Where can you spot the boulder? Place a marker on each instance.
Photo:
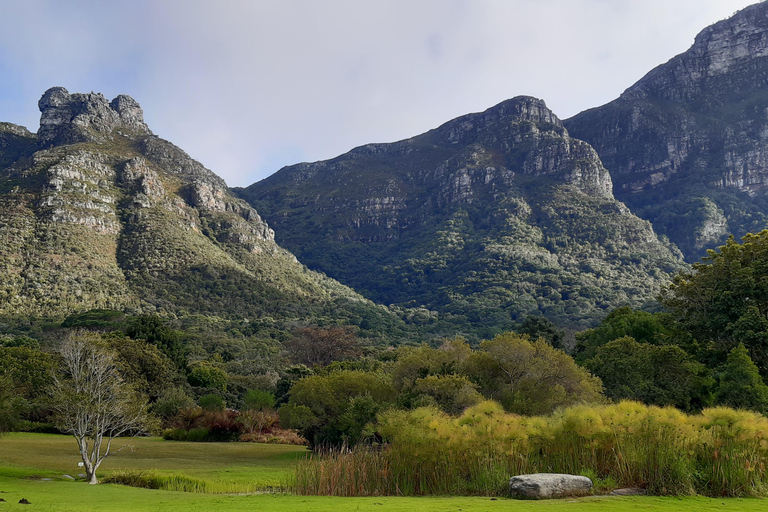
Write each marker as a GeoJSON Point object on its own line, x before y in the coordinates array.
{"type": "Point", "coordinates": [548, 485]}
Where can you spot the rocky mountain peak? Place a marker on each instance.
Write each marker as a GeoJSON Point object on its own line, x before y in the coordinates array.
{"type": "Point", "coordinates": [520, 109]}
{"type": "Point", "coordinates": [731, 46]}
{"type": "Point", "coordinates": [70, 118]}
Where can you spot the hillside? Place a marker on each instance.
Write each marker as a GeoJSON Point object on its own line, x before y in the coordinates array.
{"type": "Point", "coordinates": [686, 145]}
{"type": "Point", "coordinates": [97, 212]}
{"type": "Point", "coordinates": [486, 219]}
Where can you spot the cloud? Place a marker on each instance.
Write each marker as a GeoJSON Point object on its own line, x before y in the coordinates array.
{"type": "Point", "coordinates": [249, 86]}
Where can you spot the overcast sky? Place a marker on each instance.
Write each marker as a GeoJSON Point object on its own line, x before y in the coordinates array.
{"type": "Point", "coordinates": [247, 87]}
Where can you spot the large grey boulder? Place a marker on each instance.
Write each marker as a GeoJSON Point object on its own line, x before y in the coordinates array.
{"type": "Point", "coordinates": [548, 485]}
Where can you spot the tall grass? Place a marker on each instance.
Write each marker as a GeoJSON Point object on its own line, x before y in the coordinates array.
{"type": "Point", "coordinates": [720, 452]}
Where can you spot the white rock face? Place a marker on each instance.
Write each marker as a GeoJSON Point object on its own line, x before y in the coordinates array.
{"type": "Point", "coordinates": [548, 485]}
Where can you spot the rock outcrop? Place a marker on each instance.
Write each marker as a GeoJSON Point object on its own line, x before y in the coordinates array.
{"type": "Point", "coordinates": [71, 118]}
{"type": "Point", "coordinates": [693, 133]}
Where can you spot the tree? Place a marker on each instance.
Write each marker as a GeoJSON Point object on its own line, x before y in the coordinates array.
{"type": "Point", "coordinates": [335, 408]}
{"type": "Point", "coordinates": [740, 383]}
{"type": "Point", "coordinates": [724, 300]}
{"type": "Point", "coordinates": [541, 327]}
{"type": "Point", "coordinates": [206, 374]}
{"type": "Point", "coordinates": [93, 402]}
{"type": "Point", "coordinates": [9, 405]}
{"type": "Point", "coordinates": [653, 374]}
{"type": "Point", "coordinates": [641, 326]}
{"type": "Point", "coordinates": [530, 377]}
{"type": "Point", "coordinates": [153, 329]}
{"type": "Point", "coordinates": [323, 345]}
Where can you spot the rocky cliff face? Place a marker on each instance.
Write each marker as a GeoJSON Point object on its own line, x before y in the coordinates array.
{"type": "Point", "coordinates": [487, 218]}
{"type": "Point", "coordinates": [97, 212]}
{"type": "Point", "coordinates": [687, 145]}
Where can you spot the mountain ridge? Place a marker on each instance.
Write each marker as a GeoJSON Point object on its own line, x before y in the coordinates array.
{"type": "Point", "coordinates": [99, 212]}
{"type": "Point", "coordinates": [479, 197]}
{"type": "Point", "coordinates": [686, 144]}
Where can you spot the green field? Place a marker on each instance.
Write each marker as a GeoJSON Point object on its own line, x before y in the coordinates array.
{"type": "Point", "coordinates": [25, 459]}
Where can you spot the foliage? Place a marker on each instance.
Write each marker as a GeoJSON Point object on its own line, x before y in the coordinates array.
{"type": "Point", "coordinates": [144, 366]}
{"type": "Point", "coordinates": [642, 326]}
{"type": "Point", "coordinates": [170, 402]}
{"type": "Point", "coordinates": [724, 301]}
{"type": "Point", "coordinates": [10, 405]}
{"type": "Point", "coordinates": [29, 369]}
{"type": "Point", "coordinates": [96, 319]}
{"type": "Point", "coordinates": [337, 407]}
{"type": "Point", "coordinates": [720, 452]}
{"type": "Point", "coordinates": [530, 377]}
{"type": "Point", "coordinates": [211, 402]}
{"type": "Point", "coordinates": [740, 383]}
{"type": "Point", "coordinates": [206, 374]}
{"type": "Point", "coordinates": [653, 374]}
{"type": "Point", "coordinates": [258, 399]}
{"type": "Point", "coordinates": [154, 330]}
{"type": "Point", "coordinates": [536, 327]}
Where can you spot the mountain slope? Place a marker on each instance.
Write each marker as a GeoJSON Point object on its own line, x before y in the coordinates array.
{"type": "Point", "coordinates": [485, 219]}
{"type": "Point", "coordinates": [687, 145]}
{"type": "Point", "coordinates": [97, 212]}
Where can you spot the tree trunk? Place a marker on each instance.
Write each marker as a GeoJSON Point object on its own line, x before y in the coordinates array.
{"type": "Point", "coordinates": [91, 477]}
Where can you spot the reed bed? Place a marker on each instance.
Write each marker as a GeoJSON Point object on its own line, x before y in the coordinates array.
{"type": "Point", "coordinates": [720, 452]}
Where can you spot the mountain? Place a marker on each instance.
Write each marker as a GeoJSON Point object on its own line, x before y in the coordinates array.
{"type": "Point", "coordinates": [486, 219]}
{"type": "Point", "coordinates": [97, 212]}
{"type": "Point", "coordinates": [687, 145]}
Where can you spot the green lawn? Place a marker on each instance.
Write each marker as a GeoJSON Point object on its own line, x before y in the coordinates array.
{"type": "Point", "coordinates": [26, 458]}
{"type": "Point", "coordinates": [261, 465]}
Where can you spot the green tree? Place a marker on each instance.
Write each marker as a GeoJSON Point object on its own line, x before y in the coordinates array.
{"type": "Point", "coordinates": [205, 374]}
{"type": "Point", "coordinates": [641, 326]}
{"type": "Point", "coordinates": [258, 399]}
{"type": "Point", "coordinates": [530, 377]}
{"type": "Point", "coordinates": [212, 402]}
{"type": "Point", "coordinates": [10, 405]}
{"type": "Point", "coordinates": [723, 301]}
{"type": "Point", "coordinates": [152, 329]}
{"type": "Point", "coordinates": [144, 365]}
{"type": "Point", "coordinates": [332, 408]}
{"type": "Point", "coordinates": [452, 393]}
{"type": "Point", "coordinates": [541, 327]}
{"type": "Point", "coordinates": [323, 345]}
{"type": "Point", "coordinates": [653, 374]}
{"type": "Point", "coordinates": [29, 369]}
{"type": "Point", "coordinates": [740, 383]}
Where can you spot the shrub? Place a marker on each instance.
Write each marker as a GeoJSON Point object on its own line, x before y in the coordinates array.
{"type": "Point", "coordinates": [212, 402]}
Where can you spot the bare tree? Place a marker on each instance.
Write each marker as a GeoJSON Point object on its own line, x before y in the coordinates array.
{"type": "Point", "coordinates": [93, 402]}
{"type": "Point", "coordinates": [324, 345]}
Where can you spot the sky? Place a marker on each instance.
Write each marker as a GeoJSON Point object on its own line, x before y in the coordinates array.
{"type": "Point", "coordinates": [249, 86]}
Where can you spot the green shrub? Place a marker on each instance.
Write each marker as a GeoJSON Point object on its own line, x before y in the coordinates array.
{"type": "Point", "coordinates": [212, 402]}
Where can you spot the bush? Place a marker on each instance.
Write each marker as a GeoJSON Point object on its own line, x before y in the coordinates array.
{"type": "Point", "coordinates": [212, 403]}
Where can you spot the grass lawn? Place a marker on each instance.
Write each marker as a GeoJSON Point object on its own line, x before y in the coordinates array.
{"type": "Point", "coordinates": [262, 465]}
{"type": "Point", "coordinates": [26, 458]}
